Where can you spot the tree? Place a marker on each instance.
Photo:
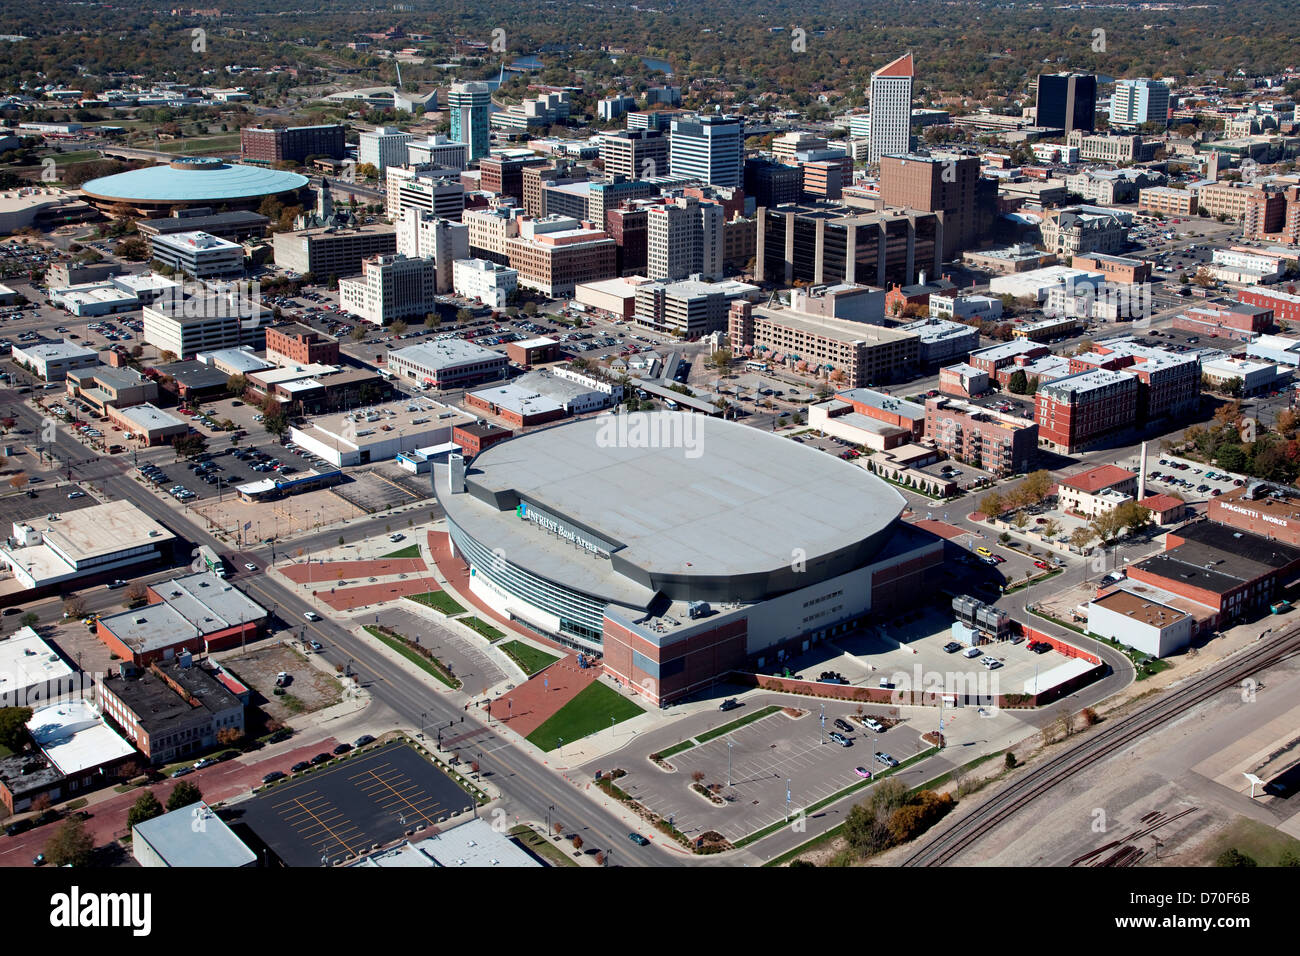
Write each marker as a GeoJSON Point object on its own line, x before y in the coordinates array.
{"type": "Point", "coordinates": [1082, 537]}
{"type": "Point", "coordinates": [273, 418]}
{"type": "Point", "coordinates": [30, 619]}
{"type": "Point", "coordinates": [1233, 857]}
{"type": "Point", "coordinates": [577, 843]}
{"type": "Point", "coordinates": [189, 446]}
{"type": "Point", "coordinates": [398, 327]}
{"type": "Point", "coordinates": [530, 308]}
{"type": "Point", "coordinates": [13, 727]}
{"type": "Point", "coordinates": [146, 807]}
{"type": "Point", "coordinates": [229, 736]}
{"type": "Point", "coordinates": [1018, 383]}
{"type": "Point", "coordinates": [465, 315]}
{"type": "Point", "coordinates": [70, 845]}
{"type": "Point", "coordinates": [182, 795]}
{"type": "Point", "coordinates": [358, 333]}
{"type": "Point", "coordinates": [132, 248]}
{"type": "Point", "coordinates": [236, 385]}
{"type": "Point", "coordinates": [431, 320]}
{"type": "Point", "coordinates": [722, 359]}
{"type": "Point", "coordinates": [991, 504]}
{"type": "Point", "coordinates": [1020, 520]}
{"type": "Point", "coordinates": [1051, 528]}
{"type": "Point", "coordinates": [74, 606]}
{"type": "Point", "coordinates": [135, 595]}
{"type": "Point", "coordinates": [1036, 486]}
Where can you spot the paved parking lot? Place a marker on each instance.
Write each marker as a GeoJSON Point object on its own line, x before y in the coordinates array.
{"type": "Point", "coordinates": [769, 758]}
{"type": "Point", "coordinates": [1193, 478]}
{"type": "Point", "coordinates": [357, 805]}
{"type": "Point", "coordinates": [50, 499]}
{"type": "Point", "coordinates": [468, 657]}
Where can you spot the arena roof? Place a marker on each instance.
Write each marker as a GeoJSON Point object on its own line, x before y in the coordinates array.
{"type": "Point", "coordinates": [183, 181]}
{"type": "Point", "coordinates": [686, 503]}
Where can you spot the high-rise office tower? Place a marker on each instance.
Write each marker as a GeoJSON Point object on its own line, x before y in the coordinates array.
{"type": "Point", "coordinates": [891, 108]}
{"type": "Point", "coordinates": [685, 237]}
{"type": "Point", "coordinates": [1067, 101]}
{"type": "Point", "coordinates": [943, 184]}
{"type": "Point", "coordinates": [469, 105]}
{"type": "Point", "coordinates": [708, 148]}
{"type": "Point", "coordinates": [1139, 101]}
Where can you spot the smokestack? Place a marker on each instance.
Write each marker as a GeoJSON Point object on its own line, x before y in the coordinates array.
{"type": "Point", "coordinates": [456, 474]}
{"type": "Point", "coordinates": [1142, 473]}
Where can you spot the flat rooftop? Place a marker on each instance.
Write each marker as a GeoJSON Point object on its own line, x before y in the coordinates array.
{"type": "Point", "coordinates": [150, 417]}
{"type": "Point", "coordinates": [679, 504]}
{"type": "Point", "coordinates": [100, 531]}
{"type": "Point", "coordinates": [1143, 610]}
{"type": "Point", "coordinates": [447, 354]}
{"type": "Point", "coordinates": [411, 416]}
{"type": "Point", "coordinates": [839, 330]}
{"type": "Point", "coordinates": [27, 661]}
{"type": "Point", "coordinates": [194, 836]}
{"type": "Point", "coordinates": [73, 735]}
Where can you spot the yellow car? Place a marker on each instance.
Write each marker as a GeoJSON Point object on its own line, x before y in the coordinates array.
{"type": "Point", "coordinates": [984, 552]}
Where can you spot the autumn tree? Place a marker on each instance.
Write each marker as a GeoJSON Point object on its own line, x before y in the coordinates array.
{"type": "Point", "coordinates": [13, 727]}
{"type": "Point", "coordinates": [991, 504]}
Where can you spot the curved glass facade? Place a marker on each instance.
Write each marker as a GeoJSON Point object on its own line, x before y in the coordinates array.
{"type": "Point", "coordinates": [581, 616]}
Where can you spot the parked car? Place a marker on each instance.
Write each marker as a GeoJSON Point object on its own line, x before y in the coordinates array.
{"type": "Point", "coordinates": [273, 776]}
{"type": "Point", "coordinates": [952, 647]}
{"type": "Point", "coordinates": [886, 759]}
{"type": "Point", "coordinates": [843, 725]}
{"type": "Point", "coordinates": [341, 749]}
{"type": "Point", "coordinates": [182, 771]}
{"type": "Point", "coordinates": [638, 839]}
{"type": "Point", "coordinates": [320, 758]}
{"type": "Point", "coordinates": [862, 772]}
{"type": "Point", "coordinates": [299, 767]}
{"type": "Point", "coordinates": [363, 740]}
{"type": "Point", "coordinates": [872, 724]}
{"type": "Point", "coordinates": [729, 704]}
{"type": "Point", "coordinates": [840, 739]}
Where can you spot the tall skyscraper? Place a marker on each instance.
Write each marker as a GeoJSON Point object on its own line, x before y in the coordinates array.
{"type": "Point", "coordinates": [708, 148]}
{"type": "Point", "coordinates": [891, 108]}
{"type": "Point", "coordinates": [1139, 101]}
{"type": "Point", "coordinates": [1067, 101]}
{"type": "Point", "coordinates": [469, 105]}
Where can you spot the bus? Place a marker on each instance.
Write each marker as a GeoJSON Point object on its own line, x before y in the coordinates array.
{"type": "Point", "coordinates": [205, 559]}
{"type": "Point", "coordinates": [756, 366]}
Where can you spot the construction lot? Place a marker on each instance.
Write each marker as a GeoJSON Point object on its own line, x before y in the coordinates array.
{"type": "Point", "coordinates": [309, 688]}
{"type": "Point", "coordinates": [352, 806]}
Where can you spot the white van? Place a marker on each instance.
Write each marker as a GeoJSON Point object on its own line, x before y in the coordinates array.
{"type": "Point", "coordinates": [971, 652]}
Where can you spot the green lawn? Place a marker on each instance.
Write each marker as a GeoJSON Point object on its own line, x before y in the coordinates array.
{"type": "Point", "coordinates": [1263, 844]}
{"type": "Point", "coordinates": [550, 851]}
{"type": "Point", "coordinates": [419, 660]}
{"type": "Point", "coordinates": [483, 627]}
{"type": "Point", "coordinates": [413, 551]}
{"type": "Point", "coordinates": [589, 712]}
{"type": "Point", "coordinates": [76, 156]}
{"type": "Point", "coordinates": [439, 601]}
{"type": "Point", "coordinates": [529, 659]}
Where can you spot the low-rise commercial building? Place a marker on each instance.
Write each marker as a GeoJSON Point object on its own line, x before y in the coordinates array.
{"type": "Point", "coordinates": [174, 709]}
{"type": "Point", "coordinates": [546, 395]}
{"type": "Point", "coordinates": [84, 545]}
{"type": "Point", "coordinates": [198, 613]}
{"type": "Point", "coordinates": [103, 387]}
{"type": "Point", "coordinates": [1097, 490]}
{"type": "Point", "coordinates": [1140, 622]}
{"type": "Point", "coordinates": [333, 252]}
{"type": "Point", "coordinates": [487, 282]}
{"type": "Point", "coordinates": [963, 380]}
{"type": "Point", "coordinates": [1253, 375]}
{"type": "Point", "coordinates": [1167, 201]}
{"type": "Point", "coordinates": [52, 361]}
{"type": "Point", "coordinates": [379, 432]}
{"type": "Point", "coordinates": [295, 343]}
{"type": "Point", "coordinates": [450, 363]}
{"type": "Point", "coordinates": [689, 308]}
{"type": "Point", "coordinates": [191, 836]}
{"type": "Point", "coordinates": [941, 341]}
{"type": "Point", "coordinates": [148, 424]}
{"type": "Point", "coordinates": [869, 418]}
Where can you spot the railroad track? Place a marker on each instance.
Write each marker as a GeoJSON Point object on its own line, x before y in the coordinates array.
{"type": "Point", "coordinates": [1041, 780]}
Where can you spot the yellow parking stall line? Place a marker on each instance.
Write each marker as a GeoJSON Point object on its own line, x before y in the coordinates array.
{"type": "Point", "coordinates": [332, 832]}
{"type": "Point", "coordinates": [409, 805]}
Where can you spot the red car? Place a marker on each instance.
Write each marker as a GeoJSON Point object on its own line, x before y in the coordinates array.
{"type": "Point", "coordinates": [1042, 565]}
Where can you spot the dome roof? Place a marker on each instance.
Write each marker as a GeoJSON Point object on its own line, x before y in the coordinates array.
{"type": "Point", "coordinates": [193, 180]}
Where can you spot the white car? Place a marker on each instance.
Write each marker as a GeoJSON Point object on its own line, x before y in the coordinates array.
{"type": "Point", "coordinates": [250, 566]}
{"type": "Point", "coordinates": [396, 536]}
{"type": "Point", "coordinates": [312, 616]}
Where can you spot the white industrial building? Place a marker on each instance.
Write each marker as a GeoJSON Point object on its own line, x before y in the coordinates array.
{"type": "Point", "coordinates": [32, 671]}
{"type": "Point", "coordinates": [489, 282]}
{"type": "Point", "coordinates": [59, 549]}
{"type": "Point", "coordinates": [1037, 283]}
{"type": "Point", "coordinates": [379, 433]}
{"type": "Point", "coordinates": [53, 360]}
{"type": "Point", "coordinates": [942, 341]}
{"type": "Point", "coordinates": [192, 836]}
{"type": "Point", "coordinates": [1141, 622]}
{"type": "Point", "coordinates": [1255, 375]}
{"type": "Point", "coordinates": [959, 308]}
